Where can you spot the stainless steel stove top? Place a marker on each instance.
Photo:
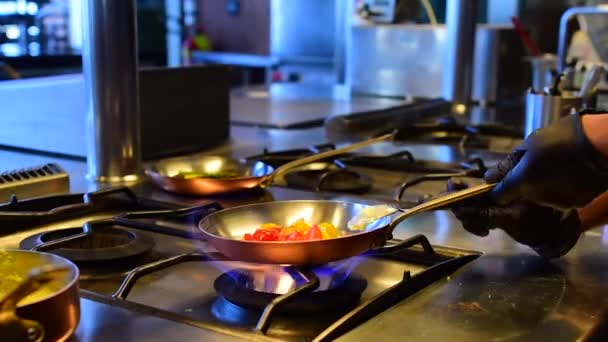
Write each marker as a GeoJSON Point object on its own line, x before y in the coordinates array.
{"type": "Point", "coordinates": [187, 292]}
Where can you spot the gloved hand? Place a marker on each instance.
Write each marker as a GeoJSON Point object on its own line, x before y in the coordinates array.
{"type": "Point", "coordinates": [556, 166]}
{"type": "Point", "coordinates": [550, 232]}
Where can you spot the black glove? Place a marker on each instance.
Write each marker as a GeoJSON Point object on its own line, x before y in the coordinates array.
{"type": "Point", "coordinates": [555, 166]}
{"type": "Point", "coordinates": [550, 232]}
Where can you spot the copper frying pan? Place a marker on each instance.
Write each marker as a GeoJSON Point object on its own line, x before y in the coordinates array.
{"type": "Point", "coordinates": [224, 229]}
{"type": "Point", "coordinates": [250, 175]}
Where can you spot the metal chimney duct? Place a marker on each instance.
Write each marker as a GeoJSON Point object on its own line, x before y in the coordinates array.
{"type": "Point", "coordinates": [110, 69]}
{"type": "Point", "coordinates": [459, 49]}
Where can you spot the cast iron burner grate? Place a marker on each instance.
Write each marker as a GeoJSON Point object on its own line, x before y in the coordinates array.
{"type": "Point", "coordinates": [441, 265]}
{"type": "Point", "coordinates": [448, 130]}
{"type": "Point", "coordinates": [328, 177]}
{"type": "Point", "coordinates": [474, 168]}
{"type": "Point", "coordinates": [97, 244]}
{"type": "Point", "coordinates": [404, 161]}
{"type": "Point", "coordinates": [319, 176]}
{"type": "Point", "coordinates": [278, 158]}
{"type": "Point", "coordinates": [22, 214]}
{"type": "Point", "coordinates": [338, 174]}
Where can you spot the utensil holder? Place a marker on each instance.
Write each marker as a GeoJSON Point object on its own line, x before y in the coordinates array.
{"type": "Point", "coordinates": [542, 110]}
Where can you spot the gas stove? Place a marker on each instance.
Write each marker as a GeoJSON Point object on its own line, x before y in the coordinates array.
{"type": "Point", "coordinates": [148, 256]}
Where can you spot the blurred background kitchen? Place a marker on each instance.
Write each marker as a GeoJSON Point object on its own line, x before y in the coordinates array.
{"type": "Point", "coordinates": [161, 96]}
{"type": "Point", "coordinates": [305, 41]}
{"type": "Point", "coordinates": [289, 65]}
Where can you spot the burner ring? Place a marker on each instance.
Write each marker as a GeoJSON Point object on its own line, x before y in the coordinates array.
{"type": "Point", "coordinates": [328, 177]}
{"type": "Point", "coordinates": [100, 245]}
{"type": "Point", "coordinates": [341, 297]}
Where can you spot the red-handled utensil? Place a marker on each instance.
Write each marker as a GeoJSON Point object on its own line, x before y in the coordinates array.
{"type": "Point", "coordinates": [525, 38]}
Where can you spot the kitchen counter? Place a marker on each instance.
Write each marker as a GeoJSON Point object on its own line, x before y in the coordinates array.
{"type": "Point", "coordinates": [294, 105]}
{"type": "Point", "coordinates": [508, 293]}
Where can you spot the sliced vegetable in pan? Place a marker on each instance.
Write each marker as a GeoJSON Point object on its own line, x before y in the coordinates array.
{"type": "Point", "coordinates": [297, 231]}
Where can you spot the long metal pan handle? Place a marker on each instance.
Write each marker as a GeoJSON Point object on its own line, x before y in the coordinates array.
{"type": "Point", "coordinates": [320, 156]}
{"type": "Point", "coordinates": [441, 201]}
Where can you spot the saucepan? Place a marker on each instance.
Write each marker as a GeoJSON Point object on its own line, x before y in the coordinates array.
{"type": "Point", "coordinates": [213, 175]}
{"type": "Point", "coordinates": [38, 296]}
{"type": "Point", "coordinates": [225, 229]}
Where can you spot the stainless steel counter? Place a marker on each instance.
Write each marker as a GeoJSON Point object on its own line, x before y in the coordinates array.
{"type": "Point", "coordinates": [507, 294]}
{"type": "Point", "coordinates": [104, 322]}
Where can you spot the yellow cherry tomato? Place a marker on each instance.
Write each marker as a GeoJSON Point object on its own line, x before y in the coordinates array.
{"type": "Point", "coordinates": [328, 230]}
{"type": "Point", "coordinates": [300, 225]}
{"type": "Point", "coordinates": [270, 225]}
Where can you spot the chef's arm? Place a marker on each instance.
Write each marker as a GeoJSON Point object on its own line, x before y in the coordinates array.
{"type": "Point", "coordinates": [596, 129]}
{"type": "Point", "coordinates": [563, 165]}
{"type": "Point", "coordinates": [595, 213]}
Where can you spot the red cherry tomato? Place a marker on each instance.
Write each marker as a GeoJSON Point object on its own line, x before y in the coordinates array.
{"type": "Point", "coordinates": [266, 235]}
{"type": "Point", "coordinates": [314, 233]}
{"type": "Point", "coordinates": [248, 237]}
{"type": "Point", "coordinates": [292, 236]}
{"type": "Point", "coordinates": [284, 234]}
{"type": "Point", "coordinates": [274, 230]}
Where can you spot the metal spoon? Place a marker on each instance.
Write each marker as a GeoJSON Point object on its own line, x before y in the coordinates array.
{"type": "Point", "coordinates": [360, 222]}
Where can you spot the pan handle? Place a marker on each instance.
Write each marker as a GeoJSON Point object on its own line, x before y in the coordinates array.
{"type": "Point", "coordinates": [323, 155]}
{"type": "Point", "coordinates": [12, 326]}
{"type": "Point", "coordinates": [441, 201]}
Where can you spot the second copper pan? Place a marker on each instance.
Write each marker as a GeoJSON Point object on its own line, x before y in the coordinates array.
{"type": "Point", "coordinates": [249, 175]}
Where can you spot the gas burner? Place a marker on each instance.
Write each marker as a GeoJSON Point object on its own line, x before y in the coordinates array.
{"type": "Point", "coordinates": [278, 158]}
{"type": "Point", "coordinates": [99, 245]}
{"type": "Point", "coordinates": [472, 168]}
{"type": "Point", "coordinates": [320, 176]}
{"type": "Point", "coordinates": [404, 161]}
{"type": "Point", "coordinates": [328, 177]}
{"type": "Point", "coordinates": [448, 130]}
{"type": "Point", "coordinates": [118, 237]}
{"type": "Point", "coordinates": [283, 328]}
{"type": "Point", "coordinates": [256, 290]}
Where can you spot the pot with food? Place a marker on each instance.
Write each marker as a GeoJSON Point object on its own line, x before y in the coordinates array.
{"type": "Point", "coordinates": [38, 296]}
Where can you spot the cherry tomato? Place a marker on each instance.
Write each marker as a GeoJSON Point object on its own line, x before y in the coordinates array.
{"type": "Point", "coordinates": [314, 233]}
{"type": "Point", "coordinates": [266, 235]}
{"type": "Point", "coordinates": [328, 230]}
{"type": "Point", "coordinates": [275, 230]}
{"type": "Point", "coordinates": [248, 237]}
{"type": "Point", "coordinates": [284, 233]}
{"type": "Point", "coordinates": [300, 225]}
{"type": "Point", "coordinates": [291, 236]}
{"type": "Point", "coordinates": [270, 225]}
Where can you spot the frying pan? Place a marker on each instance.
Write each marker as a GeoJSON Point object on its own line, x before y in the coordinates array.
{"type": "Point", "coordinates": [224, 229]}
{"type": "Point", "coordinates": [250, 175]}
